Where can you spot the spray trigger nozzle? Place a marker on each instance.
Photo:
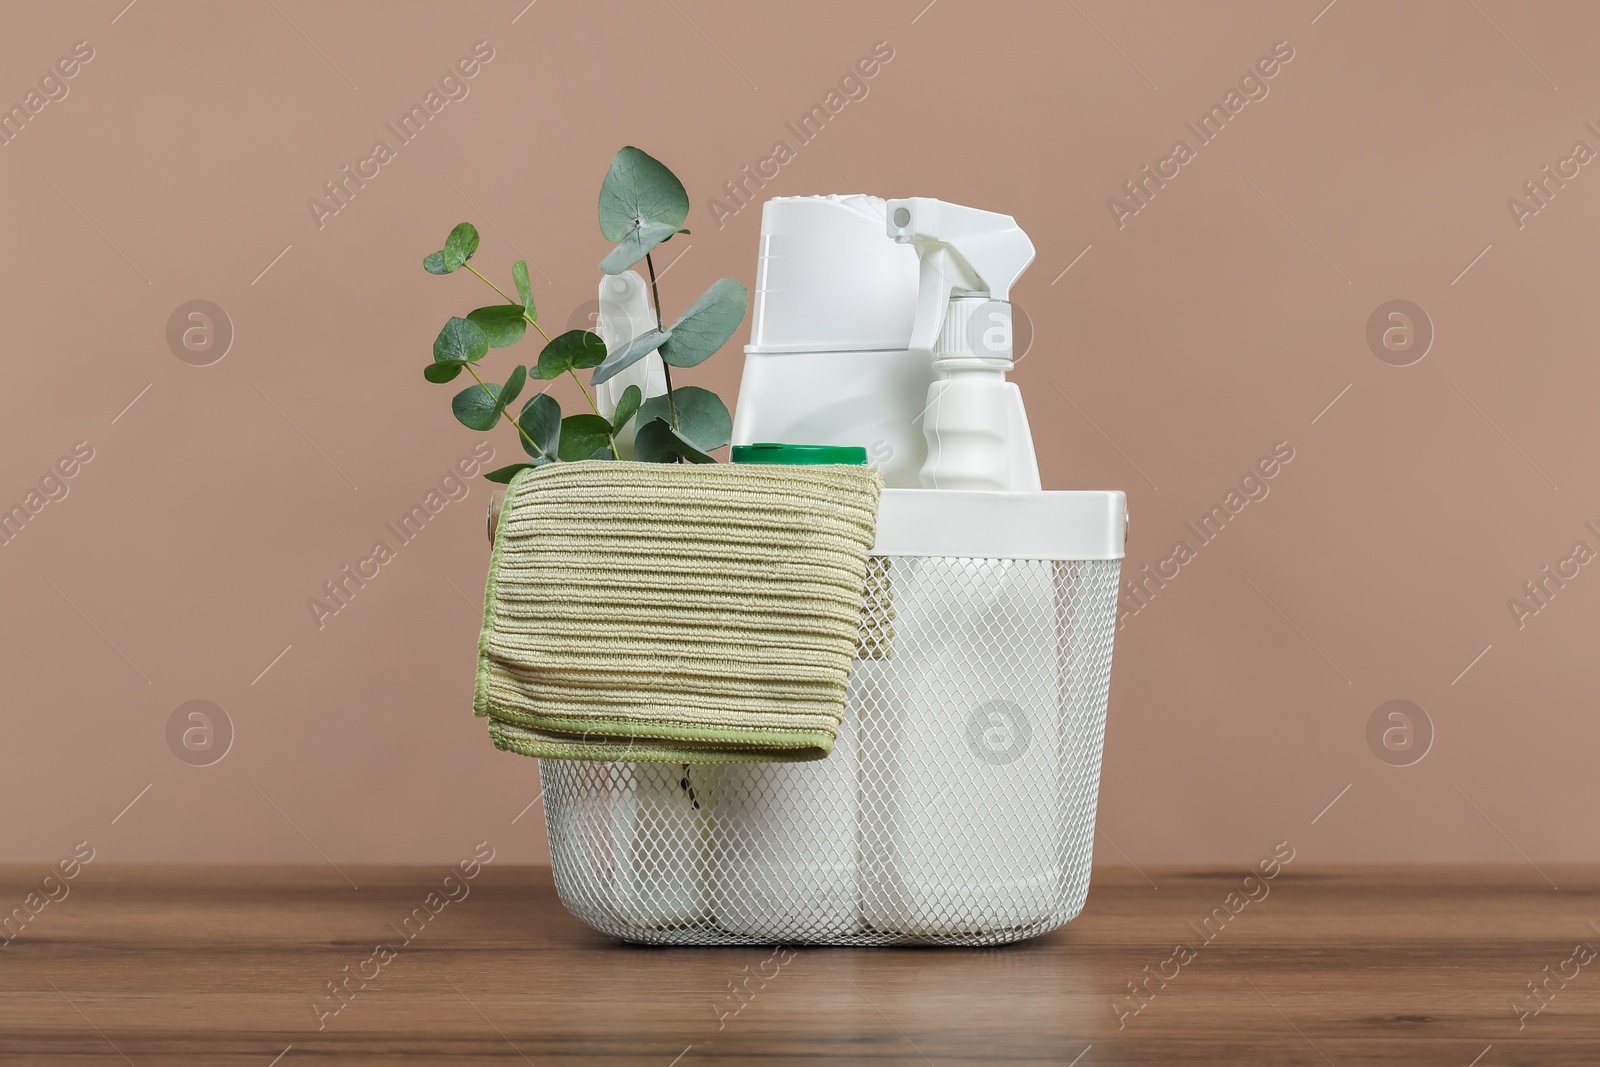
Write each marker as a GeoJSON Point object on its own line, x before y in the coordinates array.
{"type": "Point", "coordinates": [964, 251]}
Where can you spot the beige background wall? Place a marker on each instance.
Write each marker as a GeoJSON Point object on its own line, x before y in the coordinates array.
{"type": "Point", "coordinates": [1179, 348]}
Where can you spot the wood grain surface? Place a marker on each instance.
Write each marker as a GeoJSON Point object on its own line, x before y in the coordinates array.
{"type": "Point", "coordinates": [1344, 966]}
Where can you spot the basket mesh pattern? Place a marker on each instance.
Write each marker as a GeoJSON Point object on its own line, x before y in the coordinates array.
{"type": "Point", "coordinates": [957, 806]}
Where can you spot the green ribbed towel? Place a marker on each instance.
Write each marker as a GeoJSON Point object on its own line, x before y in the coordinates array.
{"type": "Point", "coordinates": [700, 613]}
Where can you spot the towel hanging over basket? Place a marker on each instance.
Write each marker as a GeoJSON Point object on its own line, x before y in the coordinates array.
{"type": "Point", "coordinates": [656, 613]}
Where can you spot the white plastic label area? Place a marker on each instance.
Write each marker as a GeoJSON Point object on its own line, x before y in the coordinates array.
{"type": "Point", "coordinates": [958, 804]}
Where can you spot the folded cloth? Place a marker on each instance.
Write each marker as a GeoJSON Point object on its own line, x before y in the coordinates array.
{"type": "Point", "coordinates": [701, 613]}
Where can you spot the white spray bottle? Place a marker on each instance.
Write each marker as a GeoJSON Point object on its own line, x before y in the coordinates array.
{"type": "Point", "coordinates": [976, 426]}
{"type": "Point", "coordinates": [657, 881]}
{"type": "Point", "coordinates": [972, 701]}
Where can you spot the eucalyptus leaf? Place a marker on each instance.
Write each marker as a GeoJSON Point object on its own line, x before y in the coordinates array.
{"type": "Point", "coordinates": [502, 324]}
{"type": "Point", "coordinates": [541, 420]}
{"type": "Point", "coordinates": [703, 419]}
{"type": "Point", "coordinates": [478, 407]}
{"type": "Point", "coordinates": [519, 275]}
{"type": "Point", "coordinates": [460, 339]}
{"type": "Point", "coordinates": [657, 443]}
{"type": "Point", "coordinates": [627, 355]}
{"type": "Point", "coordinates": [444, 370]}
{"type": "Point", "coordinates": [642, 203]}
{"type": "Point", "coordinates": [707, 325]}
{"type": "Point", "coordinates": [639, 243]}
{"type": "Point", "coordinates": [690, 453]}
{"type": "Point", "coordinates": [656, 408]}
{"type": "Point", "coordinates": [573, 350]}
{"type": "Point", "coordinates": [583, 435]}
{"type": "Point", "coordinates": [627, 404]}
{"type": "Point", "coordinates": [505, 474]}
{"type": "Point", "coordinates": [433, 263]}
{"type": "Point", "coordinates": [459, 246]}
{"type": "Point", "coordinates": [513, 387]}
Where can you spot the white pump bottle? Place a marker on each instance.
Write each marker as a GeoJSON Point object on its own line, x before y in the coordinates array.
{"type": "Point", "coordinates": [976, 426]}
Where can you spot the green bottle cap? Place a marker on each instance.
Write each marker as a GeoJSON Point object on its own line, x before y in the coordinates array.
{"type": "Point", "coordinates": [769, 452]}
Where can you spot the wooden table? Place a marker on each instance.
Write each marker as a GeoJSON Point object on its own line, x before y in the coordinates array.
{"type": "Point", "coordinates": [1345, 966]}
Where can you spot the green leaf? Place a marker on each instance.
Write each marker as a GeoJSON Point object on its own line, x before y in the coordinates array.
{"type": "Point", "coordinates": [656, 443]}
{"type": "Point", "coordinates": [444, 370]}
{"type": "Point", "coordinates": [541, 420]}
{"type": "Point", "coordinates": [690, 453]}
{"type": "Point", "coordinates": [707, 325]}
{"type": "Point", "coordinates": [642, 203]}
{"type": "Point", "coordinates": [513, 387]}
{"type": "Point", "coordinates": [703, 419]}
{"type": "Point", "coordinates": [459, 246]}
{"type": "Point", "coordinates": [519, 274]}
{"type": "Point", "coordinates": [433, 263]}
{"type": "Point", "coordinates": [627, 355]}
{"type": "Point", "coordinates": [583, 435]}
{"type": "Point", "coordinates": [505, 474]}
{"type": "Point", "coordinates": [573, 350]}
{"type": "Point", "coordinates": [502, 324]}
{"type": "Point", "coordinates": [478, 407]}
{"type": "Point", "coordinates": [460, 340]}
{"type": "Point", "coordinates": [627, 405]}
{"type": "Point", "coordinates": [638, 244]}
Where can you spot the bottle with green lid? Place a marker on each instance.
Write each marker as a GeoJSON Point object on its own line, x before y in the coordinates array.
{"type": "Point", "coordinates": [783, 853]}
{"type": "Point", "coordinates": [800, 455]}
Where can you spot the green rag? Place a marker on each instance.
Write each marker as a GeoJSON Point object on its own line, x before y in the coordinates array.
{"type": "Point", "coordinates": [703, 613]}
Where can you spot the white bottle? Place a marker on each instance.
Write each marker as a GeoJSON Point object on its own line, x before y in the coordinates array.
{"type": "Point", "coordinates": [829, 361]}
{"type": "Point", "coordinates": [959, 834]}
{"type": "Point", "coordinates": [783, 854]}
{"type": "Point", "coordinates": [660, 847]}
{"type": "Point", "coordinates": [828, 364]}
{"type": "Point", "coordinates": [625, 313]}
{"type": "Point", "coordinates": [659, 843]}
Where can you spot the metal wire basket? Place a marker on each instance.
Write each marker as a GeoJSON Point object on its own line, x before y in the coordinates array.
{"type": "Point", "coordinates": [957, 807]}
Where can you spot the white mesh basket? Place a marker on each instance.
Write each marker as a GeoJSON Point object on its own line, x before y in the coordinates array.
{"type": "Point", "coordinates": [957, 806]}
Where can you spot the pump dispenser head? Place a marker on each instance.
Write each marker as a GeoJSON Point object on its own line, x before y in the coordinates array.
{"type": "Point", "coordinates": [965, 252]}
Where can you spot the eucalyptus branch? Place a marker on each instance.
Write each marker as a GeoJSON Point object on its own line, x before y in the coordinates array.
{"type": "Point", "coordinates": [529, 319]}
{"type": "Point", "coordinates": [641, 202]}
{"type": "Point", "coordinates": [496, 402]}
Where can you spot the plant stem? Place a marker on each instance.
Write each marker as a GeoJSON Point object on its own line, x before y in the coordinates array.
{"type": "Point", "coordinates": [655, 293]}
{"type": "Point", "coordinates": [504, 413]}
{"type": "Point", "coordinates": [592, 405]}
{"type": "Point", "coordinates": [529, 318]}
{"type": "Point", "coordinates": [672, 407]}
{"type": "Point", "coordinates": [596, 408]}
{"type": "Point", "coordinates": [661, 323]}
{"type": "Point", "coordinates": [492, 285]}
